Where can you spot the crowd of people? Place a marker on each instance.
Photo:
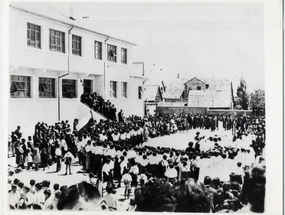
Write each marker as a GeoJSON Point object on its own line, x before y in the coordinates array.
{"type": "Point", "coordinates": [113, 152]}
{"type": "Point", "coordinates": [97, 103]}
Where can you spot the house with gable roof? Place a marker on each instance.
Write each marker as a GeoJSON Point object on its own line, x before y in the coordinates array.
{"type": "Point", "coordinates": [199, 93]}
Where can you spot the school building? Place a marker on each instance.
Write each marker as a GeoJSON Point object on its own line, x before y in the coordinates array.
{"type": "Point", "coordinates": [53, 61]}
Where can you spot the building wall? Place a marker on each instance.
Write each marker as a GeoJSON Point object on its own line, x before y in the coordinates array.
{"type": "Point", "coordinates": [35, 63]}
{"type": "Point", "coordinates": [178, 110]}
{"type": "Point", "coordinates": [193, 84]}
{"type": "Point", "coordinates": [201, 110]}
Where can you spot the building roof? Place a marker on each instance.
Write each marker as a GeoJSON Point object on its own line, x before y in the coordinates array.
{"type": "Point", "coordinates": [150, 92]}
{"type": "Point", "coordinates": [213, 83]}
{"type": "Point", "coordinates": [40, 10]}
{"type": "Point", "coordinates": [210, 98]}
{"type": "Point", "coordinates": [217, 84]}
{"type": "Point", "coordinates": [174, 89]}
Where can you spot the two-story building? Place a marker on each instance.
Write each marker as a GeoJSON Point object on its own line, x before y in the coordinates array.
{"type": "Point", "coordinates": [53, 61]}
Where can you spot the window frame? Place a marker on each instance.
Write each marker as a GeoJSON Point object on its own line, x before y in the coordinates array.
{"type": "Point", "coordinates": [76, 45]}
{"type": "Point", "coordinates": [98, 50]}
{"type": "Point", "coordinates": [36, 41]}
{"type": "Point", "coordinates": [48, 85]}
{"type": "Point", "coordinates": [58, 36]}
{"type": "Point", "coordinates": [111, 53]}
{"type": "Point", "coordinates": [113, 89]}
{"type": "Point", "coordinates": [23, 87]}
{"type": "Point", "coordinates": [124, 89]}
{"type": "Point", "coordinates": [124, 55]}
{"type": "Point", "coordinates": [67, 88]}
{"type": "Point", "coordinates": [199, 88]}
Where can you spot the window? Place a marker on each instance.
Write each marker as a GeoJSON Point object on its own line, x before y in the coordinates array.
{"type": "Point", "coordinates": [68, 88]}
{"type": "Point", "coordinates": [33, 35]}
{"type": "Point", "coordinates": [124, 89]}
{"type": "Point", "coordinates": [112, 53]}
{"type": "Point", "coordinates": [56, 41]}
{"type": "Point", "coordinates": [20, 86]}
{"type": "Point", "coordinates": [113, 89]}
{"type": "Point", "coordinates": [98, 50]}
{"type": "Point", "coordinates": [46, 87]}
{"type": "Point", "coordinates": [198, 87]}
{"type": "Point", "coordinates": [140, 92]}
{"type": "Point", "coordinates": [76, 45]}
{"type": "Point", "coordinates": [124, 56]}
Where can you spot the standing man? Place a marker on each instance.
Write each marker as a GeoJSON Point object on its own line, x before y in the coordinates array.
{"type": "Point", "coordinates": [121, 116]}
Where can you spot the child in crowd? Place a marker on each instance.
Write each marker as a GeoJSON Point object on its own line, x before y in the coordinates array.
{"type": "Point", "coordinates": [127, 179]}
{"type": "Point", "coordinates": [68, 157]}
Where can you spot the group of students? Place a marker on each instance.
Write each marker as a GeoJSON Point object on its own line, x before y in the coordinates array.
{"type": "Point", "coordinates": [170, 184]}
{"type": "Point", "coordinates": [97, 103]}
{"type": "Point", "coordinates": [112, 150]}
{"type": "Point", "coordinates": [35, 195]}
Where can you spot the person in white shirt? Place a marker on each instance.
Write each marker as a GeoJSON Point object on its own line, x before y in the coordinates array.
{"type": "Point", "coordinates": [122, 139]}
{"type": "Point", "coordinates": [39, 197]}
{"type": "Point", "coordinates": [98, 155]}
{"type": "Point", "coordinates": [111, 199]}
{"type": "Point", "coordinates": [13, 197]}
{"type": "Point", "coordinates": [122, 168]}
{"type": "Point", "coordinates": [171, 173]}
{"type": "Point", "coordinates": [153, 161]}
{"type": "Point", "coordinates": [48, 204]}
{"type": "Point", "coordinates": [144, 162]}
{"type": "Point", "coordinates": [68, 157]}
{"type": "Point", "coordinates": [103, 136]}
{"type": "Point", "coordinates": [134, 171]}
{"type": "Point", "coordinates": [107, 170]}
{"type": "Point", "coordinates": [127, 179]}
{"type": "Point", "coordinates": [115, 136]}
{"type": "Point", "coordinates": [142, 179]}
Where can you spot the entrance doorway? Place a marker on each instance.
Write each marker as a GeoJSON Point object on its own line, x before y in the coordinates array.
{"type": "Point", "coordinates": [87, 86]}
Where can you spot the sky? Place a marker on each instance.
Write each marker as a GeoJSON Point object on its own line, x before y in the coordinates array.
{"type": "Point", "coordinates": [217, 40]}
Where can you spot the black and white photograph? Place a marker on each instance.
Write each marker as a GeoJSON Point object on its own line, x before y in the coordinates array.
{"type": "Point", "coordinates": [142, 107]}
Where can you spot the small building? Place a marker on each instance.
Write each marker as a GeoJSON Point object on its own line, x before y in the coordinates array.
{"type": "Point", "coordinates": [153, 94]}
{"type": "Point", "coordinates": [174, 91]}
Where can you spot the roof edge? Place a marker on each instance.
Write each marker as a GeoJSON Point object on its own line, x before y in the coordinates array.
{"type": "Point", "coordinates": [66, 23]}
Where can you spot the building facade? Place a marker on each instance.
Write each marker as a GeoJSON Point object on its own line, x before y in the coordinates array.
{"type": "Point", "coordinates": [52, 62]}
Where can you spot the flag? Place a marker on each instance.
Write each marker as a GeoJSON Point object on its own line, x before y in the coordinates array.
{"type": "Point", "coordinates": [84, 121]}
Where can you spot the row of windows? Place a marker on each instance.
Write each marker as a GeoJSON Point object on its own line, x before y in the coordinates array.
{"type": "Point", "coordinates": [113, 90]}
{"type": "Point", "coordinates": [57, 44]}
{"type": "Point", "coordinates": [20, 87]}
